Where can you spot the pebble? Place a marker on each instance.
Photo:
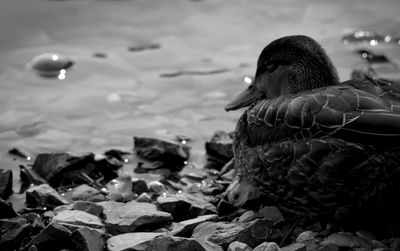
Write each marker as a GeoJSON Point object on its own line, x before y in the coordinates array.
{"type": "Point", "coordinates": [271, 213]}
{"type": "Point", "coordinates": [267, 246]}
{"type": "Point", "coordinates": [306, 236]}
{"type": "Point", "coordinates": [157, 187]}
{"type": "Point", "coordinates": [170, 243]}
{"type": "Point", "coordinates": [144, 197]}
{"type": "Point", "coordinates": [131, 241]}
{"type": "Point", "coordinates": [44, 196]}
{"type": "Point", "coordinates": [342, 239]}
{"type": "Point", "coordinates": [85, 192]}
{"type": "Point", "coordinates": [239, 246]}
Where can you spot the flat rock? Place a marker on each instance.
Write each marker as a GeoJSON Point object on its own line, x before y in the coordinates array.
{"type": "Point", "coordinates": [185, 228]}
{"type": "Point", "coordinates": [267, 246]}
{"type": "Point", "coordinates": [173, 243]}
{"type": "Point", "coordinates": [44, 196]}
{"type": "Point", "coordinates": [6, 183]}
{"type": "Point", "coordinates": [271, 213]}
{"type": "Point", "coordinates": [86, 206]}
{"type": "Point", "coordinates": [239, 246]}
{"type": "Point", "coordinates": [247, 216]}
{"type": "Point", "coordinates": [6, 210]}
{"type": "Point", "coordinates": [222, 234]}
{"type": "Point", "coordinates": [342, 239]}
{"type": "Point", "coordinates": [13, 231]}
{"type": "Point", "coordinates": [78, 218]}
{"type": "Point", "coordinates": [184, 206]}
{"type": "Point", "coordinates": [85, 192]}
{"type": "Point", "coordinates": [87, 239]}
{"type": "Point", "coordinates": [306, 236]}
{"type": "Point", "coordinates": [167, 154]}
{"type": "Point", "coordinates": [133, 216]}
{"type": "Point", "coordinates": [51, 166]}
{"type": "Point", "coordinates": [295, 247]}
{"type": "Point", "coordinates": [54, 235]}
{"type": "Point", "coordinates": [131, 241]}
{"type": "Point", "coordinates": [220, 146]}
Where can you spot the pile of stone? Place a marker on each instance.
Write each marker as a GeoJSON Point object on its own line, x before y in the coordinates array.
{"type": "Point", "coordinates": [82, 203]}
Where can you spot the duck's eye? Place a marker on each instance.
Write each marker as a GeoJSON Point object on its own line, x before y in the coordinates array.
{"type": "Point", "coordinates": [271, 67]}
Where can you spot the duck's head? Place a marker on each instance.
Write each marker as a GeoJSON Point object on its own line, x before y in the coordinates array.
{"type": "Point", "coordinates": [288, 65]}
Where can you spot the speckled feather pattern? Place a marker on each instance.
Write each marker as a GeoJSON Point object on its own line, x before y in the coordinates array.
{"type": "Point", "coordinates": [322, 149]}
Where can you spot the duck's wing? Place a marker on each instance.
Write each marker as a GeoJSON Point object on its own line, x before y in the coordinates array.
{"type": "Point", "coordinates": [357, 111]}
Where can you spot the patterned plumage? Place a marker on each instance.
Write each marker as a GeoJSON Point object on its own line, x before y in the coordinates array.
{"type": "Point", "coordinates": [312, 144]}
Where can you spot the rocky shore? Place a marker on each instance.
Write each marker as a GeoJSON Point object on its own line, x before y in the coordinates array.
{"type": "Point", "coordinates": [87, 203]}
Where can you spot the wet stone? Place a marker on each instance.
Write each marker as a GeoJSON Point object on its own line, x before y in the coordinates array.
{"type": "Point", "coordinates": [239, 246]}
{"type": "Point", "coordinates": [121, 186]}
{"type": "Point", "coordinates": [157, 187]}
{"type": "Point", "coordinates": [139, 186]}
{"type": "Point", "coordinates": [271, 213]}
{"type": "Point", "coordinates": [185, 228]}
{"type": "Point", "coordinates": [133, 216]}
{"type": "Point", "coordinates": [306, 236]}
{"type": "Point", "coordinates": [184, 206]}
{"type": "Point", "coordinates": [170, 243]}
{"type": "Point", "coordinates": [248, 216]}
{"type": "Point", "coordinates": [295, 247]}
{"type": "Point", "coordinates": [87, 239]}
{"type": "Point", "coordinates": [131, 241]}
{"type": "Point", "coordinates": [78, 218]}
{"type": "Point", "coordinates": [219, 149]}
{"type": "Point", "coordinates": [85, 206]}
{"type": "Point", "coordinates": [342, 239]}
{"type": "Point", "coordinates": [54, 235]}
{"type": "Point", "coordinates": [51, 65]}
{"type": "Point", "coordinates": [85, 192]}
{"type": "Point", "coordinates": [13, 232]}
{"type": "Point", "coordinates": [144, 197]}
{"type": "Point", "coordinates": [222, 234]}
{"type": "Point", "coordinates": [6, 209]}
{"type": "Point", "coordinates": [267, 246]}
{"type": "Point", "coordinates": [6, 179]}
{"type": "Point", "coordinates": [44, 196]}
{"type": "Point", "coordinates": [166, 154]}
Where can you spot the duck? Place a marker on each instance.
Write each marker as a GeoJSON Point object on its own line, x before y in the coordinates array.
{"type": "Point", "coordinates": [316, 146]}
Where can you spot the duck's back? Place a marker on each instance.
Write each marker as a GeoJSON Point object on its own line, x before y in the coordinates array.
{"type": "Point", "coordinates": [323, 149]}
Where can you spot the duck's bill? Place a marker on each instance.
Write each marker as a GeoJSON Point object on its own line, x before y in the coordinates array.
{"type": "Point", "coordinates": [246, 98]}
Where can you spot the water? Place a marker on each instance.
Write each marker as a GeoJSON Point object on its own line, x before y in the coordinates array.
{"type": "Point", "coordinates": [122, 49]}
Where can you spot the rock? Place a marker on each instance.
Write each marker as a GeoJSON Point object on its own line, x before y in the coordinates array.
{"type": "Point", "coordinates": [85, 192]}
{"type": "Point", "coordinates": [185, 228]}
{"type": "Point", "coordinates": [6, 210]}
{"type": "Point", "coordinates": [133, 216]}
{"type": "Point", "coordinates": [295, 247]}
{"type": "Point", "coordinates": [184, 206]}
{"type": "Point", "coordinates": [13, 233]}
{"type": "Point", "coordinates": [157, 187]}
{"type": "Point", "coordinates": [328, 247]}
{"type": "Point", "coordinates": [172, 243]}
{"type": "Point", "coordinates": [121, 186]}
{"type": "Point", "coordinates": [35, 220]}
{"type": "Point", "coordinates": [144, 197]}
{"type": "Point", "coordinates": [342, 239]}
{"type": "Point", "coordinates": [220, 146]}
{"type": "Point", "coordinates": [271, 213]}
{"type": "Point", "coordinates": [139, 186]}
{"type": "Point", "coordinates": [267, 246]}
{"type": "Point", "coordinates": [54, 235]}
{"type": "Point", "coordinates": [87, 239]}
{"type": "Point", "coordinates": [131, 241]}
{"type": "Point", "coordinates": [44, 196]}
{"type": "Point", "coordinates": [167, 154]}
{"type": "Point", "coordinates": [222, 234]}
{"type": "Point", "coordinates": [52, 166]}
{"type": "Point", "coordinates": [6, 179]}
{"type": "Point", "coordinates": [248, 216]}
{"type": "Point", "coordinates": [239, 246]}
{"type": "Point", "coordinates": [212, 188]}
{"type": "Point", "coordinates": [29, 177]}
{"type": "Point", "coordinates": [368, 236]}
{"type": "Point", "coordinates": [306, 236]}
{"type": "Point", "coordinates": [78, 218]}
{"type": "Point", "coordinates": [86, 206]}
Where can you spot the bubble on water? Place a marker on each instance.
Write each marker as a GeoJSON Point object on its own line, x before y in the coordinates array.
{"type": "Point", "coordinates": [51, 65]}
